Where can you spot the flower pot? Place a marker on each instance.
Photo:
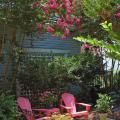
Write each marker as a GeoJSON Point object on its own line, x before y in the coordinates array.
{"type": "Point", "coordinates": [110, 115]}
{"type": "Point", "coordinates": [94, 115]}
{"type": "Point", "coordinates": [103, 116]}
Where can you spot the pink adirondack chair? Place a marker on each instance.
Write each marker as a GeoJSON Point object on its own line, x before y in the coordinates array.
{"type": "Point", "coordinates": [25, 106]}
{"type": "Point", "coordinates": [68, 102]}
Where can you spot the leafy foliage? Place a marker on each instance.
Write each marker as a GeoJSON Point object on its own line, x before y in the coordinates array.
{"type": "Point", "coordinates": [115, 95]}
{"type": "Point", "coordinates": [98, 8]}
{"type": "Point", "coordinates": [103, 103]}
{"type": "Point", "coordinates": [112, 47]}
{"type": "Point", "coordinates": [116, 1]}
{"type": "Point", "coordinates": [18, 14]}
{"type": "Point", "coordinates": [81, 68]}
{"type": "Point", "coordinates": [8, 108]}
{"type": "Point", "coordinates": [57, 73]}
{"type": "Point", "coordinates": [57, 16]}
{"type": "Point", "coordinates": [34, 74]}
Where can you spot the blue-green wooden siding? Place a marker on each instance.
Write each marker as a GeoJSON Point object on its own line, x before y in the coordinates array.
{"type": "Point", "coordinates": [47, 41]}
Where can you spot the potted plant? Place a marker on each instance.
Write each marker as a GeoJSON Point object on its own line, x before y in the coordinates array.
{"type": "Point", "coordinates": [103, 105]}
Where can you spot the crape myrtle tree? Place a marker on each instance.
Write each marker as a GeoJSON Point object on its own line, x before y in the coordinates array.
{"type": "Point", "coordinates": [58, 17]}
{"type": "Point", "coordinates": [54, 16]}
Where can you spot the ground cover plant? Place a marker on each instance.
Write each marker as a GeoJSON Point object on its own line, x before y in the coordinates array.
{"type": "Point", "coordinates": [59, 116]}
{"type": "Point", "coordinates": [8, 108]}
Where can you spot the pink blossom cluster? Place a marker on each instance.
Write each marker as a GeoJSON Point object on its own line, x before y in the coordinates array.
{"type": "Point", "coordinates": [86, 46]}
{"type": "Point", "coordinates": [117, 15]}
{"type": "Point", "coordinates": [48, 97]}
{"type": "Point", "coordinates": [35, 5]}
{"type": "Point", "coordinates": [53, 4]}
{"type": "Point", "coordinates": [68, 6]}
{"type": "Point", "coordinates": [95, 50]}
{"type": "Point", "coordinates": [64, 14]}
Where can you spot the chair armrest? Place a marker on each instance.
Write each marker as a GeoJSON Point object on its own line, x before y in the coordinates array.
{"type": "Point", "coordinates": [45, 118]}
{"type": "Point", "coordinates": [68, 108]}
{"type": "Point", "coordinates": [86, 105]}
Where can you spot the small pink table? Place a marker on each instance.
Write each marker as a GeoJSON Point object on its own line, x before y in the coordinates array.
{"type": "Point", "coordinates": [48, 112]}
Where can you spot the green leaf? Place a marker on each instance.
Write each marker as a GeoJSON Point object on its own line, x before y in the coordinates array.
{"type": "Point", "coordinates": [40, 17]}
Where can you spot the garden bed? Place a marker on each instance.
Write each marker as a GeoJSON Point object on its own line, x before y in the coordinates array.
{"type": "Point", "coordinates": [104, 116]}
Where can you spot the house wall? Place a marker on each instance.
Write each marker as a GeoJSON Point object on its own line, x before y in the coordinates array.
{"type": "Point", "coordinates": [46, 43]}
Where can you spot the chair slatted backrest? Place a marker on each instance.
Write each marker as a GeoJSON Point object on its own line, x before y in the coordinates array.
{"type": "Point", "coordinates": [69, 101]}
{"type": "Point", "coordinates": [25, 106]}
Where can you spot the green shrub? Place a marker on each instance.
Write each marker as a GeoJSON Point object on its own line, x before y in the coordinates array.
{"type": "Point", "coordinates": [104, 103]}
{"type": "Point", "coordinates": [34, 74]}
{"type": "Point", "coordinates": [43, 74]}
{"type": "Point", "coordinates": [8, 109]}
{"type": "Point", "coordinates": [82, 68]}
